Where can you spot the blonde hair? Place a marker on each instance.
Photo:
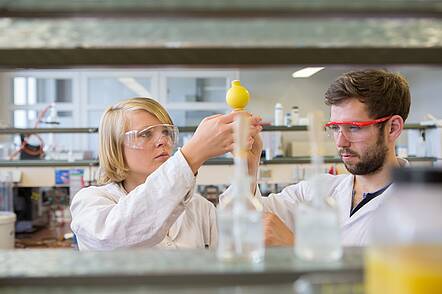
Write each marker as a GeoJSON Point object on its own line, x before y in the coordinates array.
{"type": "Point", "coordinates": [113, 126]}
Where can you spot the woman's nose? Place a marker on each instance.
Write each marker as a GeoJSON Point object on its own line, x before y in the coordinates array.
{"type": "Point", "coordinates": [161, 140]}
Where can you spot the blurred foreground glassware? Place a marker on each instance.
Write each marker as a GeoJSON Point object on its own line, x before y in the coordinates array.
{"type": "Point", "coordinates": [317, 229]}
{"type": "Point", "coordinates": [240, 226]}
{"type": "Point", "coordinates": [406, 256]}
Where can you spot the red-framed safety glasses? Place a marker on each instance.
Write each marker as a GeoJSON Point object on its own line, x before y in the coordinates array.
{"type": "Point", "coordinates": [359, 123]}
{"type": "Point", "coordinates": [354, 131]}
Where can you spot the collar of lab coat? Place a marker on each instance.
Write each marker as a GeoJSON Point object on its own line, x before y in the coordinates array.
{"type": "Point", "coordinates": [343, 196]}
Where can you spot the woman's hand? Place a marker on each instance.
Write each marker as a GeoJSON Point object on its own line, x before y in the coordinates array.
{"type": "Point", "coordinates": [213, 137]}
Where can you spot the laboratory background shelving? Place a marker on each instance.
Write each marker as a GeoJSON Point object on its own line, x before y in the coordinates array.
{"type": "Point", "coordinates": [183, 129]}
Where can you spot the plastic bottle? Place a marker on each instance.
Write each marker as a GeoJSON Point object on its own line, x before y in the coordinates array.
{"type": "Point", "coordinates": [405, 254]}
{"type": "Point", "coordinates": [240, 227]}
{"type": "Point", "coordinates": [295, 116]}
{"type": "Point", "coordinates": [279, 115]}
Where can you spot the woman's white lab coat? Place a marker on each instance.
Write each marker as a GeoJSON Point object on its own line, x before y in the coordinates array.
{"type": "Point", "coordinates": [160, 212]}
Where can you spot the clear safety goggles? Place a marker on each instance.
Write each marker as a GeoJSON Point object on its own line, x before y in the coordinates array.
{"type": "Point", "coordinates": [138, 139]}
{"type": "Point", "coordinates": [353, 131]}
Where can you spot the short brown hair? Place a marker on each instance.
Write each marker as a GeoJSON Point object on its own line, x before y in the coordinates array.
{"type": "Point", "coordinates": [113, 126]}
{"type": "Point", "coordinates": [385, 93]}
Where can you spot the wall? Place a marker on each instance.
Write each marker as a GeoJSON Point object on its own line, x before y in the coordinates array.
{"type": "Point", "coordinates": [268, 86]}
{"type": "Point", "coordinates": [426, 91]}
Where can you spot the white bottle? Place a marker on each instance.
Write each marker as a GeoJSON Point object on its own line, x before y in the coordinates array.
{"type": "Point", "coordinates": [240, 226]}
{"type": "Point", "coordinates": [279, 115]}
{"type": "Point", "coordinates": [295, 116]}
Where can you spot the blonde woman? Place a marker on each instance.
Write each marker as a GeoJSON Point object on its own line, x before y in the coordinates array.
{"type": "Point", "coordinates": [146, 197]}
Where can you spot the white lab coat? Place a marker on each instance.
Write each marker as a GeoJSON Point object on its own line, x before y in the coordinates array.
{"type": "Point", "coordinates": [160, 212]}
{"type": "Point", "coordinates": [354, 229]}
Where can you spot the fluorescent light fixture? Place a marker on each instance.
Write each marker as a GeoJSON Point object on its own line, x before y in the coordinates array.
{"type": "Point", "coordinates": [306, 72]}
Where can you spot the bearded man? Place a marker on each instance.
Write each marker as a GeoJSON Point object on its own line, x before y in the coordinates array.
{"type": "Point", "coordinates": [367, 115]}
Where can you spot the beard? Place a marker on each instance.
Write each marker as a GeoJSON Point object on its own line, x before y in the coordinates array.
{"type": "Point", "coordinates": [371, 161]}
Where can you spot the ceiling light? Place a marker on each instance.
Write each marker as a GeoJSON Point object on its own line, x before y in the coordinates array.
{"type": "Point", "coordinates": [306, 72]}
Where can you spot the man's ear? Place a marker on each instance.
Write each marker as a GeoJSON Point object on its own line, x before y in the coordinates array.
{"type": "Point", "coordinates": [395, 127]}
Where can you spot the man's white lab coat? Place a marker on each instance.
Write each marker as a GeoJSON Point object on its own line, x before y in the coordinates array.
{"type": "Point", "coordinates": [160, 212]}
{"type": "Point", "coordinates": [355, 229]}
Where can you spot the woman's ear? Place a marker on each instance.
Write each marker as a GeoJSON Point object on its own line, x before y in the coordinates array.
{"type": "Point", "coordinates": [396, 126]}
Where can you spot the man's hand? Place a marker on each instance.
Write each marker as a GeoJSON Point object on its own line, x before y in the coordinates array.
{"type": "Point", "coordinates": [255, 144]}
{"type": "Point", "coordinates": [255, 150]}
{"type": "Point", "coordinates": [276, 233]}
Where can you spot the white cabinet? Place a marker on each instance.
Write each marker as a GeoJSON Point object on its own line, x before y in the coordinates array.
{"type": "Point", "coordinates": [81, 96]}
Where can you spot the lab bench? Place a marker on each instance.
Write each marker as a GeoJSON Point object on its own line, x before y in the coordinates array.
{"type": "Point", "coordinates": [51, 236]}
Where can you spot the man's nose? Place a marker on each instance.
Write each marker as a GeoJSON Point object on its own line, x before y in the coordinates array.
{"type": "Point", "coordinates": [341, 140]}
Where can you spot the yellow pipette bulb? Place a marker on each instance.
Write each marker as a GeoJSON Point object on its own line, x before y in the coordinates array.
{"type": "Point", "coordinates": [237, 96]}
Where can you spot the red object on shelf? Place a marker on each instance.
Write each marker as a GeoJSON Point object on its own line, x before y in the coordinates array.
{"type": "Point", "coordinates": [332, 170]}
